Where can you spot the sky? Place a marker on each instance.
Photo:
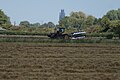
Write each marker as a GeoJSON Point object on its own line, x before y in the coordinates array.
{"type": "Point", "coordinates": [43, 11]}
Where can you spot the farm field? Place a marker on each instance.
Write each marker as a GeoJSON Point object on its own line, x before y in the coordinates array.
{"type": "Point", "coordinates": [59, 61]}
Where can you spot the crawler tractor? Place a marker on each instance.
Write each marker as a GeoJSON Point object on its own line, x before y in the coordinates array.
{"type": "Point", "coordinates": [59, 34]}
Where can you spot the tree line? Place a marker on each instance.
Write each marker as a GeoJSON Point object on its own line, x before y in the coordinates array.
{"type": "Point", "coordinates": [110, 22]}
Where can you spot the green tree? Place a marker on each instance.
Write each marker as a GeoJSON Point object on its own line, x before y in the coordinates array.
{"type": "Point", "coordinates": [24, 24]}
{"type": "Point", "coordinates": [66, 22]}
{"type": "Point", "coordinates": [78, 15]}
{"type": "Point", "coordinates": [50, 24]}
{"type": "Point", "coordinates": [35, 25]}
{"type": "Point", "coordinates": [118, 13]}
{"type": "Point", "coordinates": [4, 20]}
{"type": "Point", "coordinates": [105, 22]}
{"type": "Point", "coordinates": [90, 20]}
{"type": "Point", "coordinates": [115, 26]}
{"type": "Point", "coordinates": [78, 19]}
{"type": "Point", "coordinates": [113, 14]}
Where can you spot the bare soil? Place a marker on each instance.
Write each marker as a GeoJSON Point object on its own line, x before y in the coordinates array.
{"type": "Point", "coordinates": [59, 61]}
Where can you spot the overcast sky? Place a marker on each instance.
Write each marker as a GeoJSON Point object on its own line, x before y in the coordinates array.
{"type": "Point", "coordinates": [48, 10]}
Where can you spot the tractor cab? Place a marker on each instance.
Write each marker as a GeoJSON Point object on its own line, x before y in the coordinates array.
{"type": "Point", "coordinates": [60, 30]}
{"type": "Point", "coordinates": [58, 34]}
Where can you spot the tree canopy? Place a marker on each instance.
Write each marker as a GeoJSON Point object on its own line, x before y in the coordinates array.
{"type": "Point", "coordinates": [25, 23]}
{"type": "Point", "coordinates": [113, 14]}
{"type": "Point", "coordinates": [80, 20]}
{"type": "Point", "coordinates": [4, 20]}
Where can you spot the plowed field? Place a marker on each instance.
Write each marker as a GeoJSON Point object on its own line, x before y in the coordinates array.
{"type": "Point", "coordinates": [38, 61]}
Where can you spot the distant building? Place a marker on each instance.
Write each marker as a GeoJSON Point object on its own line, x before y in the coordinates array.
{"type": "Point", "coordinates": [61, 14]}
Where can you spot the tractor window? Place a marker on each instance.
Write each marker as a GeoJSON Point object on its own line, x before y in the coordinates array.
{"type": "Point", "coordinates": [61, 30]}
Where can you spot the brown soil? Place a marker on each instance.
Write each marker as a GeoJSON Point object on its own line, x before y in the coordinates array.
{"type": "Point", "coordinates": [38, 61]}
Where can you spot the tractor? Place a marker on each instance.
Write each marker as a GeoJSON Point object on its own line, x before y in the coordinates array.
{"type": "Point", "coordinates": [59, 34]}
